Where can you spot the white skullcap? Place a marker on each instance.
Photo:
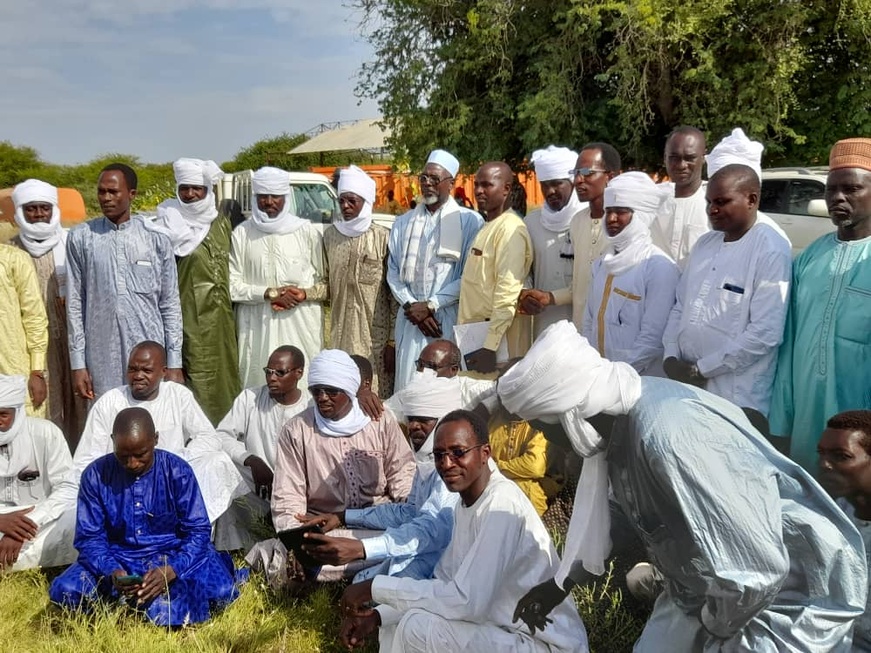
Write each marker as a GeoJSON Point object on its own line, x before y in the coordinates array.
{"type": "Point", "coordinates": [34, 190]}
{"type": "Point", "coordinates": [553, 163]}
{"type": "Point", "coordinates": [196, 172]}
{"type": "Point", "coordinates": [337, 369]}
{"type": "Point", "coordinates": [428, 395]}
{"type": "Point", "coordinates": [354, 180]}
{"type": "Point", "coordinates": [270, 181]}
{"type": "Point", "coordinates": [13, 391]}
{"type": "Point", "coordinates": [633, 190]}
{"type": "Point", "coordinates": [446, 160]}
{"type": "Point", "coordinates": [736, 148]}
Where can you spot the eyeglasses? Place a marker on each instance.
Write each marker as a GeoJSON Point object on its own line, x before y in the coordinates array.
{"type": "Point", "coordinates": [454, 454]}
{"type": "Point", "coordinates": [585, 172]}
{"type": "Point", "coordinates": [431, 179]}
{"type": "Point", "coordinates": [421, 364]}
{"type": "Point", "coordinates": [268, 371]}
{"type": "Point", "coordinates": [316, 391]}
{"type": "Point", "coordinates": [419, 420]}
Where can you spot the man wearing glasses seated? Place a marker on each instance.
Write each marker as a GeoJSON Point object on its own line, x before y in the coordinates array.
{"type": "Point", "coordinates": [248, 435]}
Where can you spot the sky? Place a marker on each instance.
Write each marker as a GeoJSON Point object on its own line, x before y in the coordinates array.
{"type": "Point", "coordinates": [162, 79]}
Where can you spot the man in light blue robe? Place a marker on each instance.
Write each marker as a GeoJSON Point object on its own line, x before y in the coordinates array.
{"type": "Point", "coordinates": [428, 248]}
{"type": "Point", "coordinates": [824, 364]}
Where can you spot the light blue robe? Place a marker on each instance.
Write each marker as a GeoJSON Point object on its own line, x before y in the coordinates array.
{"type": "Point", "coordinates": [437, 279]}
{"type": "Point", "coordinates": [824, 364]}
{"type": "Point", "coordinates": [756, 555]}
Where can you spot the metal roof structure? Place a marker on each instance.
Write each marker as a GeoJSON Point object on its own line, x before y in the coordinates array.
{"type": "Point", "coordinates": [359, 135]}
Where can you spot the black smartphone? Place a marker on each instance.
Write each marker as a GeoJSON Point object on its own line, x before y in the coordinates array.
{"type": "Point", "coordinates": [293, 539]}
{"type": "Point", "coordinates": [127, 581]}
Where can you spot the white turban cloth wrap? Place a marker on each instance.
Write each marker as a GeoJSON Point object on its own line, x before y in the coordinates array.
{"type": "Point", "coordinates": [273, 181]}
{"type": "Point", "coordinates": [13, 392]}
{"type": "Point", "coordinates": [446, 160]}
{"type": "Point", "coordinates": [40, 238]}
{"type": "Point", "coordinates": [636, 191]}
{"type": "Point", "coordinates": [335, 368]}
{"type": "Point", "coordinates": [429, 395]}
{"type": "Point", "coordinates": [736, 148]}
{"type": "Point", "coordinates": [550, 164]}
{"type": "Point", "coordinates": [562, 377]}
{"type": "Point", "coordinates": [354, 180]}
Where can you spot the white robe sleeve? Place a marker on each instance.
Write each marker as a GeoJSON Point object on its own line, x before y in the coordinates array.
{"type": "Point", "coordinates": [241, 292]}
{"type": "Point", "coordinates": [233, 429]}
{"type": "Point", "coordinates": [660, 281]}
{"type": "Point", "coordinates": [672, 326]}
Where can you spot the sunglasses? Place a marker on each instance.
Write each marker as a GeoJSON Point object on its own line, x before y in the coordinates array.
{"type": "Point", "coordinates": [421, 364]}
{"type": "Point", "coordinates": [454, 454]}
{"type": "Point", "coordinates": [585, 172]}
{"type": "Point", "coordinates": [431, 179]}
{"type": "Point", "coordinates": [268, 371]}
{"type": "Point", "coordinates": [316, 391]}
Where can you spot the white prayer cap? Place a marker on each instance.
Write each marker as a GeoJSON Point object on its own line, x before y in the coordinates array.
{"type": "Point", "coordinates": [33, 190]}
{"type": "Point", "coordinates": [270, 181]}
{"type": "Point", "coordinates": [197, 172]}
{"type": "Point", "coordinates": [446, 160]}
{"type": "Point", "coordinates": [428, 395]}
{"type": "Point", "coordinates": [13, 391]}
{"type": "Point", "coordinates": [354, 180]}
{"type": "Point", "coordinates": [736, 148]}
{"type": "Point", "coordinates": [633, 190]}
{"type": "Point", "coordinates": [335, 368]}
{"type": "Point", "coordinates": [553, 163]}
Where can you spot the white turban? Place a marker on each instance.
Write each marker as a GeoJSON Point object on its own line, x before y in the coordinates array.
{"type": "Point", "coordinates": [446, 160]}
{"type": "Point", "coordinates": [354, 180]}
{"type": "Point", "coordinates": [197, 172]}
{"type": "Point", "coordinates": [273, 181]}
{"type": "Point", "coordinates": [553, 163]}
{"type": "Point", "coordinates": [736, 148]}
{"type": "Point", "coordinates": [429, 395]}
{"type": "Point", "coordinates": [13, 392]}
{"type": "Point", "coordinates": [40, 238]}
{"type": "Point", "coordinates": [633, 190]}
{"type": "Point", "coordinates": [270, 181]}
{"type": "Point", "coordinates": [335, 368]}
{"type": "Point", "coordinates": [34, 190]}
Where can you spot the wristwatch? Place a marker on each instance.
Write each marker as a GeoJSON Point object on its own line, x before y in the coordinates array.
{"type": "Point", "coordinates": [431, 306]}
{"type": "Point", "coordinates": [272, 294]}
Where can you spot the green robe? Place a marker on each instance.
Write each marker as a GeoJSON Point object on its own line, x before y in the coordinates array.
{"type": "Point", "coordinates": [209, 354]}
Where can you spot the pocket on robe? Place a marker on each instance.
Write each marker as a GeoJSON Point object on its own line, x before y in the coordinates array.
{"type": "Point", "coordinates": [853, 318]}
{"type": "Point", "coordinates": [142, 277]}
{"type": "Point", "coordinates": [369, 469]}
{"type": "Point", "coordinates": [371, 271]}
{"type": "Point", "coordinates": [725, 315]}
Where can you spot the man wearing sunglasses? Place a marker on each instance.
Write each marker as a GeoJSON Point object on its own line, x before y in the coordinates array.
{"type": "Point", "coordinates": [427, 253]}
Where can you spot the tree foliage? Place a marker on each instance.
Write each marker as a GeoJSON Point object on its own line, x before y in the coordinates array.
{"type": "Point", "coordinates": [495, 79]}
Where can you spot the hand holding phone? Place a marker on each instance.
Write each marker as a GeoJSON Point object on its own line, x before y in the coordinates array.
{"type": "Point", "coordinates": [128, 580]}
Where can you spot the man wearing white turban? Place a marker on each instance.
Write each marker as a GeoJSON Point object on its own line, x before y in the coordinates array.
{"type": "Point", "coordinates": [428, 249]}
{"type": "Point", "coordinates": [755, 555]}
{"type": "Point", "coordinates": [278, 277]}
{"type": "Point", "coordinates": [41, 235]}
{"type": "Point", "coordinates": [34, 460]}
{"type": "Point", "coordinates": [362, 308]}
{"type": "Point", "coordinates": [633, 285]}
{"type": "Point", "coordinates": [727, 322]}
{"type": "Point", "coordinates": [200, 237]}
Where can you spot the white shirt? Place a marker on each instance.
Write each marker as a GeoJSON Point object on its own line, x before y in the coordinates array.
{"type": "Point", "coordinates": [551, 267]}
{"type": "Point", "coordinates": [729, 314]}
{"type": "Point", "coordinates": [680, 222]}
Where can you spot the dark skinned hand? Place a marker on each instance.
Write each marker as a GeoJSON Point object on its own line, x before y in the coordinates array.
{"type": "Point", "coordinates": [534, 606]}
{"type": "Point", "coordinates": [682, 371]}
{"type": "Point", "coordinates": [17, 526]}
{"type": "Point", "coordinates": [417, 312]}
{"type": "Point", "coordinates": [388, 359]}
{"type": "Point", "coordinates": [356, 597]}
{"type": "Point", "coordinates": [262, 476]}
{"type": "Point", "coordinates": [38, 389]}
{"type": "Point", "coordinates": [82, 383]}
{"type": "Point", "coordinates": [430, 328]}
{"type": "Point", "coordinates": [127, 590]}
{"type": "Point", "coordinates": [533, 301]}
{"type": "Point", "coordinates": [356, 629]}
{"type": "Point", "coordinates": [155, 581]}
{"type": "Point", "coordinates": [9, 550]}
{"type": "Point", "coordinates": [333, 550]}
{"type": "Point", "coordinates": [370, 403]}
{"type": "Point", "coordinates": [481, 360]}
{"type": "Point", "coordinates": [328, 521]}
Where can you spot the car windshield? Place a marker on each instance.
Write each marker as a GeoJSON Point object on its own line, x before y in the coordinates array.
{"type": "Point", "coordinates": [315, 203]}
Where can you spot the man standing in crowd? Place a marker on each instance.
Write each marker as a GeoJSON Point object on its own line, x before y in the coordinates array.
{"type": "Point", "coordinates": [682, 216]}
{"type": "Point", "coordinates": [361, 321]}
{"type": "Point", "coordinates": [824, 364]}
{"type": "Point", "coordinates": [597, 164]}
{"type": "Point", "coordinates": [428, 250]}
{"type": "Point", "coordinates": [122, 289]}
{"type": "Point", "coordinates": [278, 277]}
{"type": "Point", "coordinates": [498, 263]}
{"type": "Point", "coordinates": [200, 238]}
{"type": "Point", "coordinates": [41, 235]}
{"type": "Point", "coordinates": [548, 228]}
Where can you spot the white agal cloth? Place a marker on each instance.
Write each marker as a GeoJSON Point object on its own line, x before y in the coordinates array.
{"type": "Point", "coordinates": [428, 395]}
{"type": "Point", "coordinates": [13, 393]}
{"type": "Point", "coordinates": [355, 180]}
{"type": "Point", "coordinates": [336, 368]}
{"type": "Point", "coordinates": [446, 160]}
{"type": "Point", "coordinates": [273, 181]}
{"type": "Point", "coordinates": [636, 191]}
{"type": "Point", "coordinates": [40, 238]}
{"type": "Point", "coordinates": [563, 377]}
{"type": "Point", "coordinates": [736, 148]}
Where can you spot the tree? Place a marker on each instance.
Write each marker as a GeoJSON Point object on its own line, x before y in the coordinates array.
{"type": "Point", "coordinates": [495, 79]}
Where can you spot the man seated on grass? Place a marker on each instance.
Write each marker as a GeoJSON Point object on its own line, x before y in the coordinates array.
{"type": "Point", "coordinates": [34, 459]}
{"type": "Point", "coordinates": [417, 531]}
{"type": "Point", "coordinates": [499, 550]}
{"type": "Point", "coordinates": [142, 533]}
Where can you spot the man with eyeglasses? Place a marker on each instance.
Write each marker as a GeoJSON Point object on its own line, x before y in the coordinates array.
{"type": "Point", "coordinates": [499, 550]}
{"type": "Point", "coordinates": [597, 164]}
{"type": "Point", "coordinates": [428, 248]}
{"type": "Point", "coordinates": [248, 435]}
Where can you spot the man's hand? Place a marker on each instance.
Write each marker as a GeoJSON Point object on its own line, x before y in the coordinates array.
{"type": "Point", "coordinates": [9, 550]}
{"type": "Point", "coordinates": [285, 301]}
{"type": "Point", "coordinates": [18, 527]}
{"type": "Point", "coordinates": [537, 603]}
{"type": "Point", "coordinates": [37, 388]}
{"type": "Point", "coordinates": [82, 383]}
{"type": "Point", "coordinates": [481, 360]}
{"type": "Point", "coordinates": [357, 629]}
{"type": "Point", "coordinates": [430, 327]}
{"type": "Point", "coordinates": [356, 597]}
{"type": "Point", "coordinates": [417, 312]}
{"type": "Point", "coordinates": [128, 590]}
{"type": "Point", "coordinates": [370, 403]}
{"type": "Point", "coordinates": [262, 475]}
{"type": "Point", "coordinates": [684, 372]}
{"type": "Point", "coordinates": [298, 294]}
{"type": "Point", "coordinates": [174, 374]}
{"type": "Point", "coordinates": [327, 521]}
{"type": "Point", "coordinates": [388, 359]}
{"type": "Point", "coordinates": [155, 581]}
{"type": "Point", "coordinates": [333, 550]}
{"type": "Point", "coordinates": [532, 301]}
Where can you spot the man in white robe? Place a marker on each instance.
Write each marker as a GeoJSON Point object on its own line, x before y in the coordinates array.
{"type": "Point", "coordinates": [428, 248]}
{"type": "Point", "coordinates": [34, 460]}
{"type": "Point", "coordinates": [278, 277]}
{"type": "Point", "coordinates": [499, 550]}
{"type": "Point", "coordinates": [633, 285]}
